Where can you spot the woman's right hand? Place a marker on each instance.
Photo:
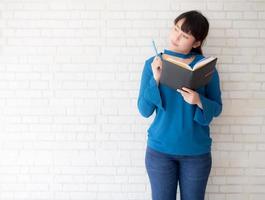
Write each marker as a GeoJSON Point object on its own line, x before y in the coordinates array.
{"type": "Point", "coordinates": [157, 68]}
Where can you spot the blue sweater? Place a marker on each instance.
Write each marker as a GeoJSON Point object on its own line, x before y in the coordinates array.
{"type": "Point", "coordinates": [179, 128]}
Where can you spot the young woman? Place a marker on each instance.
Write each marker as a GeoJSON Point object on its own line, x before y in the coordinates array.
{"type": "Point", "coordinates": [179, 143]}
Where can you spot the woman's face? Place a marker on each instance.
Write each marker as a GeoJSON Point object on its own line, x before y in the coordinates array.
{"type": "Point", "coordinates": [180, 41]}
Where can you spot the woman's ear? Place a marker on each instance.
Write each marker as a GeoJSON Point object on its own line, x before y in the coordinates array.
{"type": "Point", "coordinates": [196, 44]}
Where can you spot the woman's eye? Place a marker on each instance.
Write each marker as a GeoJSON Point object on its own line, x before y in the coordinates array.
{"type": "Point", "coordinates": [186, 37]}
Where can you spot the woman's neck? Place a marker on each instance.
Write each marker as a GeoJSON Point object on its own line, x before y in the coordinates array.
{"type": "Point", "coordinates": [179, 54]}
{"type": "Point", "coordinates": [178, 51]}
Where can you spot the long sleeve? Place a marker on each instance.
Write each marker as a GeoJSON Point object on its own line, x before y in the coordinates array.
{"type": "Point", "coordinates": [149, 95]}
{"type": "Point", "coordinates": [211, 102]}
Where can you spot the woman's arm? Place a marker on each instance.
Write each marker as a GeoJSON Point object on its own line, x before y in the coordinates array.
{"type": "Point", "coordinates": [149, 95]}
{"type": "Point", "coordinates": [211, 103]}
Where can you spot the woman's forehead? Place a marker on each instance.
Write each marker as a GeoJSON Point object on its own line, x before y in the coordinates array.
{"type": "Point", "coordinates": [179, 26]}
{"type": "Point", "coordinates": [180, 22]}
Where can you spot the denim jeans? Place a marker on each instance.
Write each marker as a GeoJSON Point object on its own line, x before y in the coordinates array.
{"type": "Point", "coordinates": [165, 171]}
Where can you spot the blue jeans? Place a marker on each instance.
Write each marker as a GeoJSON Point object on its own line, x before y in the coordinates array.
{"type": "Point", "coordinates": [165, 171]}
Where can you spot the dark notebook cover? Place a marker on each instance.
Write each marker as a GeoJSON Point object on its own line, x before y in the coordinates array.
{"type": "Point", "coordinates": [176, 77]}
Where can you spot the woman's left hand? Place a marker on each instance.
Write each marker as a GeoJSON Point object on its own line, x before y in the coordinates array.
{"type": "Point", "coordinates": [190, 96]}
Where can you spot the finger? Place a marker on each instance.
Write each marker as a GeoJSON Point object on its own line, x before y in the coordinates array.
{"type": "Point", "coordinates": [187, 90]}
{"type": "Point", "coordinates": [156, 61]}
{"type": "Point", "coordinates": [181, 92]}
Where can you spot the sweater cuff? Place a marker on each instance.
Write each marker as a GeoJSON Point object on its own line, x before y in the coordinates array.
{"type": "Point", "coordinates": [204, 116]}
{"type": "Point", "coordinates": [152, 94]}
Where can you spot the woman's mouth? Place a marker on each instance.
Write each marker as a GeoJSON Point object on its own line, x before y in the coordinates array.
{"type": "Point", "coordinates": [174, 43]}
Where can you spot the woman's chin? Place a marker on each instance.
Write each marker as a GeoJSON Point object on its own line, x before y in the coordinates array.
{"type": "Point", "coordinates": [173, 47]}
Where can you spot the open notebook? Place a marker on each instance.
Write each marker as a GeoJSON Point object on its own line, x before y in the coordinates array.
{"type": "Point", "coordinates": [176, 74]}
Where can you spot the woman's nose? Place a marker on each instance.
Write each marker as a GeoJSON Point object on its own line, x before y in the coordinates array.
{"type": "Point", "coordinates": [178, 36]}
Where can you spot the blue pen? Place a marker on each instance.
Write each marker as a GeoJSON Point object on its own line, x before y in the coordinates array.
{"type": "Point", "coordinates": [154, 46]}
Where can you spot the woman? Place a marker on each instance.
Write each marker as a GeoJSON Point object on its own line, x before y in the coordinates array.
{"type": "Point", "coordinates": [179, 143]}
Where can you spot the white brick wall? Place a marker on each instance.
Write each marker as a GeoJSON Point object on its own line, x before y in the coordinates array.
{"type": "Point", "coordinates": [69, 80]}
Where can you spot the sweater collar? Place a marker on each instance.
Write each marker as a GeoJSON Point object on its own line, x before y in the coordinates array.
{"type": "Point", "coordinates": [180, 55]}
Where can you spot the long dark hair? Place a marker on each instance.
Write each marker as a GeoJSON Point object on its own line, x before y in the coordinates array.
{"type": "Point", "coordinates": [195, 24]}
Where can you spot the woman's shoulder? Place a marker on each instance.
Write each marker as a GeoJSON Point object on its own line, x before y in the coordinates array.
{"type": "Point", "coordinates": [149, 59]}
